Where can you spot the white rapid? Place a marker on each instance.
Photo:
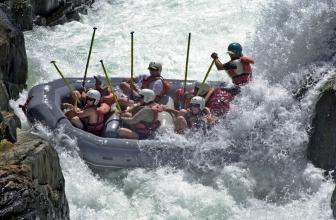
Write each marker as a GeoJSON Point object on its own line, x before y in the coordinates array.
{"type": "Point", "coordinates": [291, 41]}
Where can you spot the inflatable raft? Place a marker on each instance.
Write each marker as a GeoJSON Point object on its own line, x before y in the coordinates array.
{"type": "Point", "coordinates": [109, 151]}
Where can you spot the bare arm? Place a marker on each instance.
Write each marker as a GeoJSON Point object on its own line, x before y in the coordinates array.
{"type": "Point", "coordinates": [144, 114]}
{"type": "Point", "coordinates": [172, 111]}
{"type": "Point", "coordinates": [219, 64]}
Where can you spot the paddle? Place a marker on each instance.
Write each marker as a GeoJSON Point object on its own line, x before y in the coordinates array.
{"type": "Point", "coordinates": [110, 84]}
{"type": "Point", "coordinates": [61, 74]}
{"type": "Point", "coordinates": [88, 59]}
{"type": "Point", "coordinates": [187, 61]}
{"type": "Point", "coordinates": [132, 57]}
{"type": "Point", "coordinates": [205, 78]}
{"type": "Point", "coordinates": [65, 81]}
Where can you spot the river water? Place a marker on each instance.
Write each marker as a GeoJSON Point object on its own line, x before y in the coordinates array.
{"type": "Point", "coordinates": [290, 40]}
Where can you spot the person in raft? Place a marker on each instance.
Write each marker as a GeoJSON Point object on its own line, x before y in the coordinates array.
{"type": "Point", "coordinates": [196, 117]}
{"type": "Point", "coordinates": [182, 99]}
{"type": "Point", "coordinates": [216, 99]}
{"type": "Point", "coordinates": [239, 67]}
{"type": "Point", "coordinates": [153, 81]}
{"type": "Point", "coordinates": [144, 120]}
{"type": "Point", "coordinates": [102, 86]}
{"type": "Point", "coordinates": [91, 117]}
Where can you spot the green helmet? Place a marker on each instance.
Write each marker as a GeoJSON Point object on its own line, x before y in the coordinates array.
{"type": "Point", "coordinates": [235, 49]}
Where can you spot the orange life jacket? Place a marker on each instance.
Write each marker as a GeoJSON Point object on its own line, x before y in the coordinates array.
{"type": "Point", "coordinates": [149, 79]}
{"type": "Point", "coordinates": [244, 74]}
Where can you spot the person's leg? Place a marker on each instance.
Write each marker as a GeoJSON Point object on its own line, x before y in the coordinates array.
{"type": "Point", "coordinates": [181, 124]}
{"type": "Point", "coordinates": [127, 133]}
{"type": "Point", "coordinates": [77, 122]}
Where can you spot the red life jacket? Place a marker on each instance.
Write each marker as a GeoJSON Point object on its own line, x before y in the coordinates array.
{"type": "Point", "coordinates": [96, 128]}
{"type": "Point", "coordinates": [219, 101]}
{"type": "Point", "coordinates": [147, 128]}
{"type": "Point", "coordinates": [149, 79]}
{"type": "Point", "coordinates": [242, 75]}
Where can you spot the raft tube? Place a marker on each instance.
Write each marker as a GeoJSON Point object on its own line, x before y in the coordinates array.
{"type": "Point", "coordinates": [109, 151]}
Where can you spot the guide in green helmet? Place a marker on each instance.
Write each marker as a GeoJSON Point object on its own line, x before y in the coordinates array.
{"type": "Point", "coordinates": [239, 67]}
{"type": "Point", "coordinates": [235, 49]}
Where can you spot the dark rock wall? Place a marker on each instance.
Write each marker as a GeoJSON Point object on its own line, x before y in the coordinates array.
{"type": "Point", "coordinates": [25, 13]}
{"type": "Point", "coordinates": [322, 145]}
{"type": "Point", "coordinates": [13, 60]}
{"type": "Point", "coordinates": [31, 181]}
{"type": "Point", "coordinates": [321, 149]}
{"type": "Point", "coordinates": [13, 74]}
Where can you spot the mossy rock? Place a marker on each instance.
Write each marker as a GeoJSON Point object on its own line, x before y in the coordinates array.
{"type": "Point", "coordinates": [5, 145]}
{"type": "Point", "coordinates": [329, 85]}
{"type": "Point", "coordinates": [322, 141]}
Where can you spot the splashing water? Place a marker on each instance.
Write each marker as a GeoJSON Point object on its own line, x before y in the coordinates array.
{"type": "Point", "coordinates": [290, 40]}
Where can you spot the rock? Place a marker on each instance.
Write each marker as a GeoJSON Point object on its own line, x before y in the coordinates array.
{"type": "Point", "coordinates": [322, 143]}
{"type": "Point", "coordinates": [5, 145]}
{"type": "Point", "coordinates": [333, 203]}
{"type": "Point", "coordinates": [31, 181]}
{"type": "Point", "coordinates": [22, 11]}
{"type": "Point", "coordinates": [59, 16]}
{"type": "Point", "coordinates": [44, 7]}
{"type": "Point", "coordinates": [41, 21]}
{"type": "Point", "coordinates": [25, 13]}
{"type": "Point", "coordinates": [13, 58]}
{"type": "Point", "coordinates": [4, 97]}
{"type": "Point", "coordinates": [10, 123]}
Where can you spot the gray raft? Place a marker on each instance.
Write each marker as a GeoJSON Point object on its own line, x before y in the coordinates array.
{"type": "Point", "coordinates": [109, 151]}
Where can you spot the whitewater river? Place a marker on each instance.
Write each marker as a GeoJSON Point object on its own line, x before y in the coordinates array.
{"type": "Point", "coordinates": [290, 40]}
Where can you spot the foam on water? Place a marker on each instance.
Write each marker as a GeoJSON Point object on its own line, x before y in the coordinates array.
{"type": "Point", "coordinates": [290, 40]}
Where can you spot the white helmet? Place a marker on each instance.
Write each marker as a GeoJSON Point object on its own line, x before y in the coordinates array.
{"type": "Point", "coordinates": [198, 100]}
{"type": "Point", "coordinates": [94, 94]}
{"type": "Point", "coordinates": [148, 95]}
